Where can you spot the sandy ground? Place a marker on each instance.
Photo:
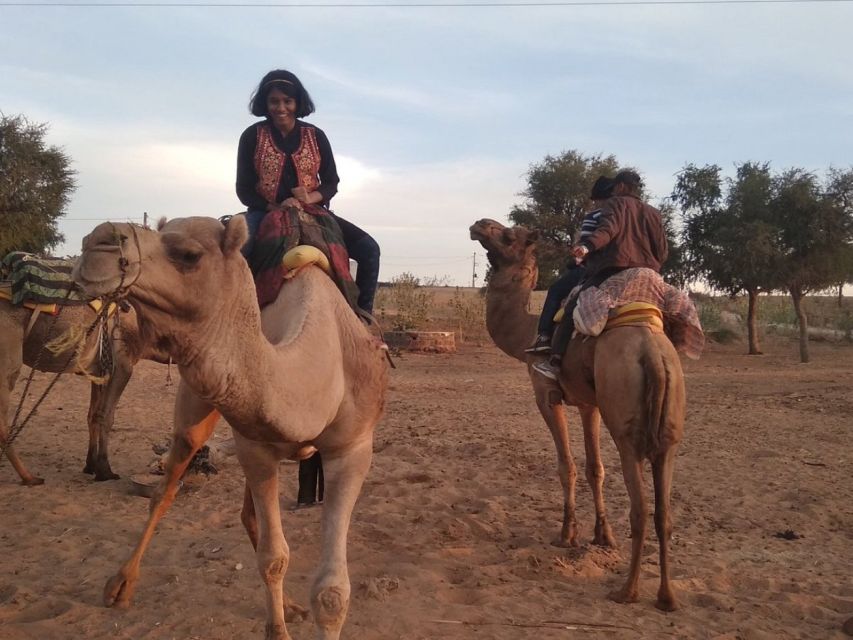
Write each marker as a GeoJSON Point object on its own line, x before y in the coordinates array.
{"type": "Point", "coordinates": [450, 537]}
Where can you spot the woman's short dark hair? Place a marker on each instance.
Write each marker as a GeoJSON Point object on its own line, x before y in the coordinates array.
{"type": "Point", "coordinates": [287, 83]}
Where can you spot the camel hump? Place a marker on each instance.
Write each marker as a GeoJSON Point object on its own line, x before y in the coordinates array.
{"type": "Point", "coordinates": [302, 256]}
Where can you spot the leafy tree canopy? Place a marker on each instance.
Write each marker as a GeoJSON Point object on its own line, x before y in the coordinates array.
{"type": "Point", "coordinates": [36, 182]}
{"type": "Point", "coordinates": [556, 198]}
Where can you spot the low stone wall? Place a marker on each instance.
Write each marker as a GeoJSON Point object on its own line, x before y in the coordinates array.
{"type": "Point", "coordinates": [426, 341]}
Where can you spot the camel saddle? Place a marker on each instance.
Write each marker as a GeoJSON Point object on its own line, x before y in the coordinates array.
{"type": "Point", "coordinates": [286, 229]}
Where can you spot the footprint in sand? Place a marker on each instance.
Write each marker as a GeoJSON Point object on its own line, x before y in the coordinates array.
{"type": "Point", "coordinates": [43, 610]}
{"type": "Point", "coordinates": [7, 592]}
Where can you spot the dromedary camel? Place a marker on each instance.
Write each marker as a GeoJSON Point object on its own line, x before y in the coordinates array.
{"type": "Point", "coordinates": [631, 374]}
{"type": "Point", "coordinates": [126, 351]}
{"type": "Point", "coordinates": [302, 372]}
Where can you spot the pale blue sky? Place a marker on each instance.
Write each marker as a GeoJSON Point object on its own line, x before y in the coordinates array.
{"type": "Point", "coordinates": [434, 114]}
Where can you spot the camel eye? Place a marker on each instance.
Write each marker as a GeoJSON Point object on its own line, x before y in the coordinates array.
{"type": "Point", "coordinates": [190, 257]}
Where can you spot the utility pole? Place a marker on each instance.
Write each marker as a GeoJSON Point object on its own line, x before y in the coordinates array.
{"type": "Point", "coordinates": [474, 272]}
{"type": "Point", "coordinates": [145, 219]}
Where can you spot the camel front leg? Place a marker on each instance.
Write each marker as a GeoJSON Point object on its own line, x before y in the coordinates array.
{"type": "Point", "coordinates": [194, 423]}
{"type": "Point", "coordinates": [662, 468]}
{"type": "Point", "coordinates": [292, 611]}
{"type": "Point", "coordinates": [591, 420]}
{"type": "Point", "coordinates": [344, 473]}
{"type": "Point", "coordinates": [632, 470]}
{"type": "Point", "coordinates": [102, 407]}
{"type": "Point", "coordinates": [549, 401]}
{"type": "Point", "coordinates": [260, 464]}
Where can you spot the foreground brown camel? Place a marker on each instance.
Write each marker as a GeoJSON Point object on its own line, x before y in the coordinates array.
{"type": "Point", "coordinates": [303, 372]}
{"type": "Point", "coordinates": [631, 374]}
{"type": "Point", "coordinates": [16, 351]}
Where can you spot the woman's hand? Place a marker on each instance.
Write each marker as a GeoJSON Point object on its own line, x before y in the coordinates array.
{"type": "Point", "coordinates": [308, 197]}
{"type": "Point", "coordinates": [290, 202]}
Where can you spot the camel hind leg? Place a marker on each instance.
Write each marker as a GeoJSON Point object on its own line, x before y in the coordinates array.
{"type": "Point", "coordinates": [344, 475]}
{"type": "Point", "coordinates": [662, 468]}
{"type": "Point", "coordinates": [632, 471]}
{"type": "Point", "coordinates": [591, 421]}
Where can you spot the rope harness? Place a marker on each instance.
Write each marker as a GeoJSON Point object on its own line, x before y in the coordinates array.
{"type": "Point", "coordinates": [104, 352]}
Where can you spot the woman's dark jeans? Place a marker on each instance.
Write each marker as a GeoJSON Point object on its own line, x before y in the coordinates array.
{"type": "Point", "coordinates": [557, 292]}
{"type": "Point", "coordinates": [365, 251]}
{"type": "Point", "coordinates": [361, 247]}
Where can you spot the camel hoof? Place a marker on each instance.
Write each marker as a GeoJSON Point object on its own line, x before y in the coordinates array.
{"type": "Point", "coordinates": [117, 592]}
{"type": "Point", "coordinates": [604, 539]}
{"type": "Point", "coordinates": [623, 596]}
{"type": "Point", "coordinates": [564, 543]}
{"type": "Point", "coordinates": [32, 481]}
{"type": "Point", "coordinates": [666, 602]}
{"type": "Point", "coordinates": [276, 632]}
{"type": "Point", "coordinates": [108, 475]}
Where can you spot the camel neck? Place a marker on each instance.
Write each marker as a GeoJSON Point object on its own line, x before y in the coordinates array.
{"type": "Point", "coordinates": [508, 317]}
{"type": "Point", "coordinates": [252, 365]}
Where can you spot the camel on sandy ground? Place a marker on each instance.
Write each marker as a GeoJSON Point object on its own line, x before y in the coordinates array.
{"type": "Point", "coordinates": [631, 374]}
{"type": "Point", "coordinates": [304, 371]}
{"type": "Point", "coordinates": [126, 351]}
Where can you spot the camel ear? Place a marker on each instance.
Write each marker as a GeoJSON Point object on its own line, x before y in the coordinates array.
{"type": "Point", "coordinates": [236, 234]}
{"type": "Point", "coordinates": [533, 236]}
{"type": "Point", "coordinates": [161, 223]}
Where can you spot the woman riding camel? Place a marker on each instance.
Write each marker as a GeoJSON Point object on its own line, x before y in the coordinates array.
{"type": "Point", "coordinates": [283, 161]}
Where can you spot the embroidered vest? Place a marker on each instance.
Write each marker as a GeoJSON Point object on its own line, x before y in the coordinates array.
{"type": "Point", "coordinates": [269, 162]}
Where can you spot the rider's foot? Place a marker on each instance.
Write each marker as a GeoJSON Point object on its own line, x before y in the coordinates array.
{"type": "Point", "coordinates": [542, 345]}
{"type": "Point", "coordinates": [550, 369]}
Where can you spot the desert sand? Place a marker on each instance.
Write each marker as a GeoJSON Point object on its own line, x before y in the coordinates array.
{"type": "Point", "coordinates": [450, 538]}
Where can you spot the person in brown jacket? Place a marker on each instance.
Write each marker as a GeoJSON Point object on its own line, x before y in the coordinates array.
{"type": "Point", "coordinates": [630, 234]}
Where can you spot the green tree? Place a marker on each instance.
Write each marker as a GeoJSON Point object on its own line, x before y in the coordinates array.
{"type": "Point", "coordinates": [840, 191]}
{"type": "Point", "coordinates": [729, 239]}
{"type": "Point", "coordinates": [815, 225]}
{"type": "Point", "coordinates": [36, 182]}
{"type": "Point", "coordinates": [556, 198]}
{"type": "Point", "coordinates": [674, 270]}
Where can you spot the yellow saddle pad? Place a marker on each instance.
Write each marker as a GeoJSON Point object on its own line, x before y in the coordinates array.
{"type": "Point", "coordinates": [52, 309]}
{"type": "Point", "coordinates": [302, 256]}
{"type": "Point", "coordinates": [636, 314]}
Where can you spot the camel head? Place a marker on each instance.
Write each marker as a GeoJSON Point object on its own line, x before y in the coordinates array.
{"type": "Point", "coordinates": [505, 246]}
{"type": "Point", "coordinates": [177, 268]}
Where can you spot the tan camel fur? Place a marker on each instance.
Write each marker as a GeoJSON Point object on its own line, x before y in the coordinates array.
{"type": "Point", "coordinates": [15, 351]}
{"type": "Point", "coordinates": [305, 371]}
{"type": "Point", "coordinates": [632, 375]}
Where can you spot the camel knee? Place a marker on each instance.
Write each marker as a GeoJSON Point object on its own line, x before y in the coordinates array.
{"type": "Point", "coordinates": [273, 567]}
{"type": "Point", "coordinates": [329, 605]}
{"type": "Point", "coordinates": [595, 474]}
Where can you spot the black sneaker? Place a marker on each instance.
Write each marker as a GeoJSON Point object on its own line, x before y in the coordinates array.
{"type": "Point", "coordinates": [541, 345]}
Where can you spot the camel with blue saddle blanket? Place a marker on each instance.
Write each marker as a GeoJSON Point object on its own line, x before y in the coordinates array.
{"type": "Point", "coordinates": [43, 321]}
{"type": "Point", "coordinates": [630, 375]}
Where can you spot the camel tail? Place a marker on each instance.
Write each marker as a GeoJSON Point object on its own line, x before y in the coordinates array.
{"type": "Point", "coordinates": [657, 388]}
